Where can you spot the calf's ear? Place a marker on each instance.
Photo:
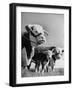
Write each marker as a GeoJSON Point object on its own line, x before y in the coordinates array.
{"type": "Point", "coordinates": [62, 50]}
{"type": "Point", "coordinates": [54, 50]}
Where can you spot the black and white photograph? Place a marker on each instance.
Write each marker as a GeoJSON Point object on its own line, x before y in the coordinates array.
{"type": "Point", "coordinates": [41, 44]}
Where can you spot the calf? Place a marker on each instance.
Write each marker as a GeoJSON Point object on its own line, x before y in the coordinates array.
{"type": "Point", "coordinates": [41, 60]}
{"type": "Point", "coordinates": [44, 59]}
{"type": "Point", "coordinates": [57, 54]}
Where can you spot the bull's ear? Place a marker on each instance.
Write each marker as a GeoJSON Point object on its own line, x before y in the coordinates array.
{"type": "Point", "coordinates": [46, 32]}
{"type": "Point", "coordinates": [27, 28]}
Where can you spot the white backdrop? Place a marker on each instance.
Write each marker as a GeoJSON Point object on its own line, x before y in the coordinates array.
{"type": "Point", "coordinates": [4, 45]}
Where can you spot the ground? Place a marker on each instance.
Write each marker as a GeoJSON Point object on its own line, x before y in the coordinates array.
{"type": "Point", "coordinates": [32, 73]}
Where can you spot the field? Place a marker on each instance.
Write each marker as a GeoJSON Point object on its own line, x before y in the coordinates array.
{"type": "Point", "coordinates": [32, 73]}
{"type": "Point", "coordinates": [58, 70]}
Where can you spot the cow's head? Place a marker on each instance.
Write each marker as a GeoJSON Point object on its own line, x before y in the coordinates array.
{"type": "Point", "coordinates": [36, 33]}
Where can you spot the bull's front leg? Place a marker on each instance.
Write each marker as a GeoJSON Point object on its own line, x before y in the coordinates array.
{"type": "Point", "coordinates": [30, 59]}
{"type": "Point", "coordinates": [24, 61]}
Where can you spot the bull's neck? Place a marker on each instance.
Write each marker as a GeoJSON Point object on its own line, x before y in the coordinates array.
{"type": "Point", "coordinates": [33, 41]}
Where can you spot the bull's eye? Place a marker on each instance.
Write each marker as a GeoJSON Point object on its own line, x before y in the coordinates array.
{"type": "Point", "coordinates": [32, 28]}
{"type": "Point", "coordinates": [36, 31]}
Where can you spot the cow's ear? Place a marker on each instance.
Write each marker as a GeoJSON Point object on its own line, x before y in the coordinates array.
{"type": "Point", "coordinates": [27, 28]}
{"type": "Point", "coordinates": [62, 51]}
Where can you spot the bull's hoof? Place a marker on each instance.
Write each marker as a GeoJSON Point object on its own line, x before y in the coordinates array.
{"type": "Point", "coordinates": [28, 67]}
{"type": "Point", "coordinates": [24, 68]}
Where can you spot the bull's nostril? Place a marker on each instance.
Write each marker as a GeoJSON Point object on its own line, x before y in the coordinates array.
{"type": "Point", "coordinates": [41, 37]}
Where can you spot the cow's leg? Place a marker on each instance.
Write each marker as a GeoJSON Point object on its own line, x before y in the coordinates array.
{"type": "Point", "coordinates": [36, 68]}
{"type": "Point", "coordinates": [42, 68]}
{"type": "Point", "coordinates": [52, 64]}
{"type": "Point", "coordinates": [47, 66]}
{"type": "Point", "coordinates": [24, 61]}
{"type": "Point", "coordinates": [32, 54]}
{"type": "Point", "coordinates": [52, 67]}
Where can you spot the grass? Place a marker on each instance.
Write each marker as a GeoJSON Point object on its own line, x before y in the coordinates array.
{"type": "Point", "coordinates": [32, 73]}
